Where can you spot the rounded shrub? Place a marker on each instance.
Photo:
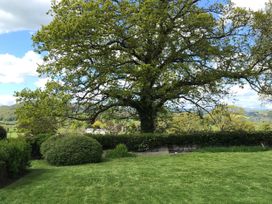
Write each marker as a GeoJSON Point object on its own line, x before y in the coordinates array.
{"type": "Point", "coordinates": [118, 152]}
{"type": "Point", "coordinates": [71, 150]}
{"type": "Point", "coordinates": [3, 133]}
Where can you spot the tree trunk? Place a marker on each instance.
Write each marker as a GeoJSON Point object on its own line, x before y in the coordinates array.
{"type": "Point", "coordinates": [148, 120]}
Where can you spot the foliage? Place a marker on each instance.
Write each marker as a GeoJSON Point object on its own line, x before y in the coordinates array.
{"type": "Point", "coordinates": [71, 150]}
{"type": "Point", "coordinates": [146, 55]}
{"type": "Point", "coordinates": [263, 126]}
{"type": "Point", "coordinates": [16, 155]}
{"type": "Point", "coordinates": [50, 143]}
{"type": "Point", "coordinates": [263, 25]}
{"type": "Point", "coordinates": [220, 118]}
{"type": "Point", "coordinates": [118, 152]}
{"type": "Point", "coordinates": [230, 118]}
{"type": "Point", "coordinates": [37, 113]}
{"type": "Point", "coordinates": [143, 142]}
{"type": "Point", "coordinates": [191, 178]}
{"type": "Point", "coordinates": [121, 126]}
{"type": "Point", "coordinates": [183, 122]}
{"type": "Point", "coordinates": [72, 127]}
{"type": "Point", "coordinates": [3, 133]}
{"type": "Point", "coordinates": [98, 124]}
{"type": "Point", "coordinates": [35, 142]}
{"type": "Point", "coordinates": [120, 120]}
{"type": "Point", "coordinates": [135, 142]}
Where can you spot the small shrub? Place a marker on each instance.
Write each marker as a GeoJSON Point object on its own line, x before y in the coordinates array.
{"type": "Point", "coordinates": [16, 155]}
{"type": "Point", "coordinates": [118, 152]}
{"type": "Point", "coordinates": [3, 133]}
{"type": "Point", "coordinates": [71, 150]}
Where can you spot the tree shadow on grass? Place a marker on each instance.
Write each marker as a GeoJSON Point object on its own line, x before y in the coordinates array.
{"type": "Point", "coordinates": [32, 175]}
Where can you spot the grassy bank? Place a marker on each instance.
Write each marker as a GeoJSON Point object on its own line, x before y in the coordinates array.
{"type": "Point", "coordinates": [226, 177]}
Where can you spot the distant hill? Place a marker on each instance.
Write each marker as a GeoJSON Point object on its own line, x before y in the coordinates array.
{"type": "Point", "coordinates": [260, 116]}
{"type": "Point", "coordinates": [7, 113]}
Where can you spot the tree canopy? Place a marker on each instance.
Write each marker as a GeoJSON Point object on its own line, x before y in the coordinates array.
{"type": "Point", "coordinates": [230, 118]}
{"type": "Point", "coordinates": [153, 53]}
{"type": "Point", "coordinates": [40, 111]}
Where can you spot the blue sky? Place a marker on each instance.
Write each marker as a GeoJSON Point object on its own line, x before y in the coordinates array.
{"type": "Point", "coordinates": [18, 62]}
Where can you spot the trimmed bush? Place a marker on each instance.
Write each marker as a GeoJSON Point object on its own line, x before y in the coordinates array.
{"type": "Point", "coordinates": [71, 150]}
{"type": "Point", "coordinates": [143, 142]}
{"type": "Point", "coordinates": [3, 133]}
{"type": "Point", "coordinates": [50, 144]}
{"type": "Point", "coordinates": [35, 142]}
{"type": "Point", "coordinates": [118, 152]}
{"type": "Point", "coordinates": [15, 153]}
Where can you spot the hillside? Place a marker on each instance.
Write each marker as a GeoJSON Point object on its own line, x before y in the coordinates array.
{"type": "Point", "coordinates": [7, 113]}
{"type": "Point", "coordinates": [260, 116]}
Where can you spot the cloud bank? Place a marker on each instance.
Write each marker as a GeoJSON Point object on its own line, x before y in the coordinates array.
{"type": "Point", "coordinates": [251, 4]}
{"type": "Point", "coordinates": [16, 15]}
{"type": "Point", "coordinates": [7, 100]}
{"type": "Point", "coordinates": [15, 70]}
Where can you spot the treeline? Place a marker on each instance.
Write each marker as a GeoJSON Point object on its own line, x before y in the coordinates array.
{"type": "Point", "coordinates": [221, 118]}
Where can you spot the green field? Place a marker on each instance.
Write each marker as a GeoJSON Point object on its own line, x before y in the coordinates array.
{"type": "Point", "coordinates": [227, 177]}
{"type": "Point", "coordinates": [11, 128]}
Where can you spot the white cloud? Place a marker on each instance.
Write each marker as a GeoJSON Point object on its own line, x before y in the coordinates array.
{"type": "Point", "coordinates": [18, 15]}
{"type": "Point", "coordinates": [246, 98]}
{"type": "Point", "coordinates": [7, 100]}
{"type": "Point", "coordinates": [251, 4]}
{"type": "Point", "coordinates": [14, 69]}
{"type": "Point", "coordinates": [41, 82]}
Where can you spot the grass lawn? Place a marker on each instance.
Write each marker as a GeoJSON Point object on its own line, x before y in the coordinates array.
{"type": "Point", "coordinates": [226, 177]}
{"type": "Point", "coordinates": [12, 134]}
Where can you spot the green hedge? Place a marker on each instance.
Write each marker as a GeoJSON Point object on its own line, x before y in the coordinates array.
{"type": "Point", "coordinates": [14, 157]}
{"type": "Point", "coordinates": [143, 142]}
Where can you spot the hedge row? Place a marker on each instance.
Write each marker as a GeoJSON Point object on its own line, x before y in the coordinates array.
{"type": "Point", "coordinates": [143, 142]}
{"type": "Point", "coordinates": [14, 158]}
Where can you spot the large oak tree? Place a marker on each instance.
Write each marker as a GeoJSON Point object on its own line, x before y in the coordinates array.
{"type": "Point", "coordinates": [147, 54]}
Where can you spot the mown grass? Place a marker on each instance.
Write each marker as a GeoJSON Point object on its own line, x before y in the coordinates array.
{"type": "Point", "coordinates": [226, 177]}
{"type": "Point", "coordinates": [12, 134]}
{"type": "Point", "coordinates": [11, 129]}
{"type": "Point", "coordinates": [234, 149]}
